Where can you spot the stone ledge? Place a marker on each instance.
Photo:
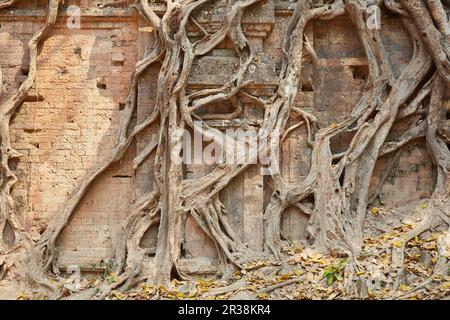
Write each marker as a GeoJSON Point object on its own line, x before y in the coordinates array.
{"type": "Point", "coordinates": [39, 14]}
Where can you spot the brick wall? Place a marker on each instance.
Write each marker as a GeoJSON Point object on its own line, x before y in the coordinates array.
{"type": "Point", "coordinates": [67, 124]}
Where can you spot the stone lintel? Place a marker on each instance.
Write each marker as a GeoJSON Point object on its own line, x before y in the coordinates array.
{"type": "Point", "coordinates": [234, 123]}
{"type": "Point", "coordinates": [213, 71]}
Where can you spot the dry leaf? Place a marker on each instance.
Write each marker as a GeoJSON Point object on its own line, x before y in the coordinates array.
{"type": "Point", "coordinates": [397, 244]}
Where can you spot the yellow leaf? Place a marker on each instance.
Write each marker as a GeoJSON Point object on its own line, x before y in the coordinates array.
{"type": "Point", "coordinates": [314, 255]}
{"type": "Point", "coordinates": [360, 273]}
{"type": "Point", "coordinates": [424, 205]}
{"type": "Point", "coordinates": [252, 288]}
{"type": "Point", "coordinates": [388, 236]}
{"type": "Point", "coordinates": [23, 296]}
{"type": "Point", "coordinates": [446, 285]}
{"type": "Point", "coordinates": [397, 244]}
{"type": "Point", "coordinates": [437, 277]}
{"type": "Point", "coordinates": [405, 288]}
{"type": "Point", "coordinates": [262, 295]}
{"type": "Point", "coordinates": [180, 295]}
{"type": "Point", "coordinates": [163, 289]}
{"type": "Point", "coordinates": [147, 289]}
{"type": "Point", "coordinates": [375, 211]}
{"type": "Point", "coordinates": [298, 273]}
{"type": "Point", "coordinates": [321, 261]}
{"type": "Point", "coordinates": [333, 125]}
{"type": "Point", "coordinates": [430, 246]}
{"type": "Point", "coordinates": [118, 295]}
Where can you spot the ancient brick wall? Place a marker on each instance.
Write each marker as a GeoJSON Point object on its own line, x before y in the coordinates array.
{"type": "Point", "coordinates": [67, 124]}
